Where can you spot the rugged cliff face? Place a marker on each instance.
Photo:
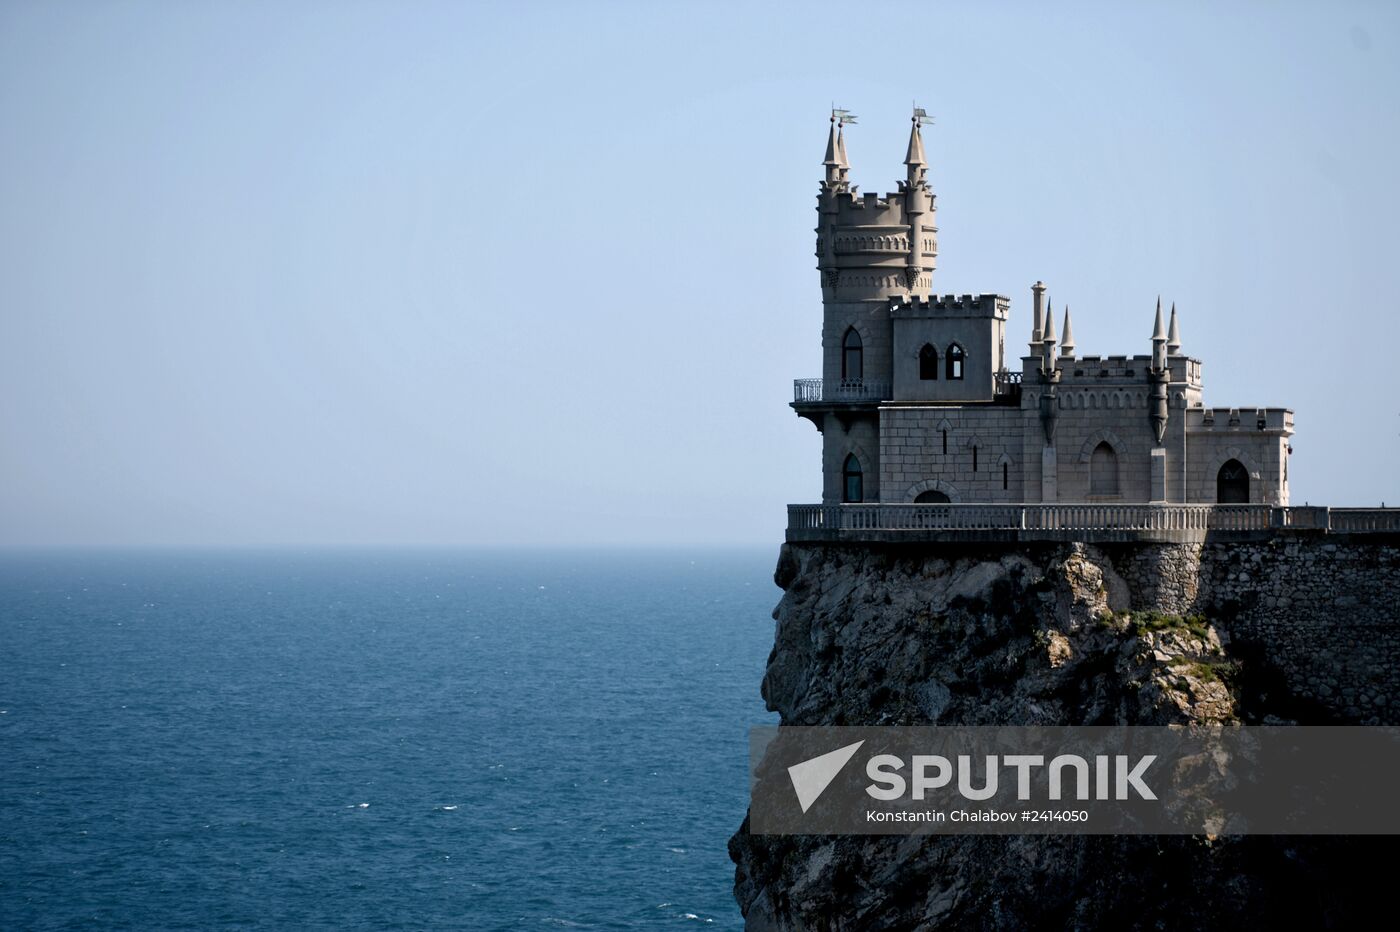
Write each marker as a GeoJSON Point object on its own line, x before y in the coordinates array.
{"type": "Point", "coordinates": [1072, 634]}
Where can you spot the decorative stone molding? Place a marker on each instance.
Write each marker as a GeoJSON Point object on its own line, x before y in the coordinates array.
{"type": "Point", "coordinates": [932, 485]}
{"type": "Point", "coordinates": [1103, 435]}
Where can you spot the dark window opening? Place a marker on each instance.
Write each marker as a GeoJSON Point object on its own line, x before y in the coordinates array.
{"type": "Point", "coordinates": [931, 497]}
{"type": "Point", "coordinates": [928, 363]}
{"type": "Point", "coordinates": [1005, 477]}
{"type": "Point", "coordinates": [1103, 470]}
{"type": "Point", "coordinates": [955, 361]}
{"type": "Point", "coordinates": [853, 482]}
{"type": "Point", "coordinates": [945, 442]}
{"type": "Point", "coordinates": [1232, 484]}
{"type": "Point", "coordinates": [852, 356]}
{"type": "Point", "coordinates": [974, 459]}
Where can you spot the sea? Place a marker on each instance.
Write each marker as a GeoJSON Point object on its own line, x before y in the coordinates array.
{"type": "Point", "coordinates": [358, 739]}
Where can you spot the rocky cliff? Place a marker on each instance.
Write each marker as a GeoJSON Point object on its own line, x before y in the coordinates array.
{"type": "Point", "coordinates": [1292, 629]}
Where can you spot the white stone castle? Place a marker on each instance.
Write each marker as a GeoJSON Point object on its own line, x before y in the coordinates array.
{"type": "Point", "coordinates": [917, 402]}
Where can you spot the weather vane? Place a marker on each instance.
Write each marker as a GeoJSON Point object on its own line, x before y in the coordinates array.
{"type": "Point", "coordinates": [842, 117]}
{"type": "Point", "coordinates": [921, 117]}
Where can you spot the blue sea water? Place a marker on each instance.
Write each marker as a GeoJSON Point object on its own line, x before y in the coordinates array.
{"type": "Point", "coordinates": [361, 740]}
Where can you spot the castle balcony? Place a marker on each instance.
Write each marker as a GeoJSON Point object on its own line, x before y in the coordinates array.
{"type": "Point", "coordinates": [839, 391]}
{"type": "Point", "coordinates": [1087, 522]}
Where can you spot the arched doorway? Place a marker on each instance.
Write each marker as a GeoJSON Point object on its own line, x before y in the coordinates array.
{"type": "Point", "coordinates": [1232, 484]}
{"type": "Point", "coordinates": [932, 497]}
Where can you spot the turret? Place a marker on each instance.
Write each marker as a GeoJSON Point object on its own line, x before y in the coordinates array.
{"type": "Point", "coordinates": [833, 158]}
{"type": "Point", "coordinates": [841, 151]}
{"type": "Point", "coordinates": [1047, 340]}
{"type": "Point", "coordinates": [1157, 406]}
{"type": "Point", "coordinates": [917, 199]}
{"type": "Point", "coordinates": [1159, 341]}
{"type": "Point", "coordinates": [1067, 341]}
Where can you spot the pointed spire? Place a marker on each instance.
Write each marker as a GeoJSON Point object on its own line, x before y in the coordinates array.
{"type": "Point", "coordinates": [1067, 341]}
{"type": "Point", "coordinates": [914, 158]}
{"type": "Point", "coordinates": [1159, 331]}
{"type": "Point", "coordinates": [1048, 337]}
{"type": "Point", "coordinates": [833, 155]}
{"type": "Point", "coordinates": [832, 151]}
{"type": "Point", "coordinates": [841, 147]}
{"type": "Point", "coordinates": [1173, 334]}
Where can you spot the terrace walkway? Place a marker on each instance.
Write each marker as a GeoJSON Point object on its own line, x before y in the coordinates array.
{"type": "Point", "coordinates": [1088, 522]}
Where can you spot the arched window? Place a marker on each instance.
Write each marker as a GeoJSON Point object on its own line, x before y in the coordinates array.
{"type": "Point", "coordinates": [1103, 470]}
{"type": "Point", "coordinates": [1232, 484]}
{"type": "Point", "coordinates": [931, 497]}
{"type": "Point", "coordinates": [928, 363]}
{"type": "Point", "coordinates": [955, 361]}
{"type": "Point", "coordinates": [852, 354]}
{"type": "Point", "coordinates": [852, 481]}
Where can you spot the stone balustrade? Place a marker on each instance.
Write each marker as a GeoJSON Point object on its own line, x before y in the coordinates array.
{"type": "Point", "coordinates": [1088, 522]}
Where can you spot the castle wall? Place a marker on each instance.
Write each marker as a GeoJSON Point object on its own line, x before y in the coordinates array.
{"type": "Point", "coordinates": [859, 435]}
{"type": "Point", "coordinates": [912, 459]}
{"type": "Point", "coordinates": [1236, 434]}
{"type": "Point", "coordinates": [1320, 612]}
{"type": "Point", "coordinates": [872, 321]}
{"type": "Point", "coordinates": [1126, 429]}
{"type": "Point", "coordinates": [975, 323]}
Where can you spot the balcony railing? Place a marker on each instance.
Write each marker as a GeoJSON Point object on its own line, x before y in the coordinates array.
{"type": "Point", "coordinates": [813, 391]}
{"type": "Point", "coordinates": [1086, 521]}
{"type": "Point", "coordinates": [1007, 382]}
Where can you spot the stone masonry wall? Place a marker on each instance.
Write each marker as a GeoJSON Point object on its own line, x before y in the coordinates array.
{"type": "Point", "coordinates": [1321, 612]}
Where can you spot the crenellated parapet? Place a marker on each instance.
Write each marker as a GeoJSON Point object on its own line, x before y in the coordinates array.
{"type": "Point", "coordinates": [1240, 420]}
{"type": "Point", "coordinates": [951, 305]}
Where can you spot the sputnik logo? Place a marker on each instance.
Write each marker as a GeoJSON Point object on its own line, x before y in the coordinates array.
{"type": "Point", "coordinates": [811, 777]}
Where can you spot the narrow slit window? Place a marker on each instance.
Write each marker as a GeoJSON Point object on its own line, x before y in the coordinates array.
{"type": "Point", "coordinates": [1005, 477]}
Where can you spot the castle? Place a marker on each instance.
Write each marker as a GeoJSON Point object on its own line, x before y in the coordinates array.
{"type": "Point", "coordinates": [917, 402]}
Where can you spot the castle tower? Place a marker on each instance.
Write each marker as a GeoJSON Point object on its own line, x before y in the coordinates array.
{"type": "Point", "coordinates": [871, 250]}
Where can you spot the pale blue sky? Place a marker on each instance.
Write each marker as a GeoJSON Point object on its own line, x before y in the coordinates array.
{"type": "Point", "coordinates": [317, 273]}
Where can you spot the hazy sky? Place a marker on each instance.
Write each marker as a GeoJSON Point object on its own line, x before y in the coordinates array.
{"type": "Point", "coordinates": [306, 273]}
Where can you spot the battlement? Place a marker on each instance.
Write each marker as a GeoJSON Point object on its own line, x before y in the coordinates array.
{"type": "Point", "coordinates": [1095, 368]}
{"type": "Point", "coordinates": [951, 305]}
{"type": "Point", "coordinates": [1239, 419]}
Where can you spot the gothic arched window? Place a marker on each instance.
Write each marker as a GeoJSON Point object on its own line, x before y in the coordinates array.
{"type": "Point", "coordinates": [1103, 470]}
{"type": "Point", "coordinates": [955, 361]}
{"type": "Point", "coordinates": [1232, 484]}
{"type": "Point", "coordinates": [928, 363]}
{"type": "Point", "coordinates": [852, 481]}
{"type": "Point", "coordinates": [852, 353]}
